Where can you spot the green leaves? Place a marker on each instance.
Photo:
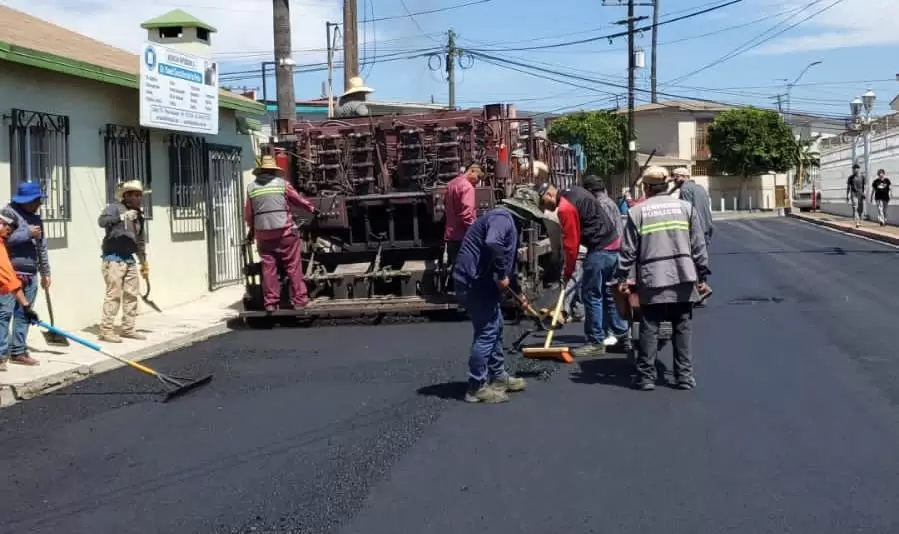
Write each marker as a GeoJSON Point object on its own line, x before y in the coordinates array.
{"type": "Point", "coordinates": [749, 141]}
{"type": "Point", "coordinates": [602, 134]}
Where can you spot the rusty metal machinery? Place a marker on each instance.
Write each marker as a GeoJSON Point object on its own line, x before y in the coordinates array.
{"type": "Point", "coordinates": [379, 183]}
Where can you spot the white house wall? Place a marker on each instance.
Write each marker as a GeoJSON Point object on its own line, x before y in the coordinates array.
{"type": "Point", "coordinates": [657, 131]}
{"type": "Point", "coordinates": [179, 269]}
{"type": "Point", "coordinates": [836, 165]}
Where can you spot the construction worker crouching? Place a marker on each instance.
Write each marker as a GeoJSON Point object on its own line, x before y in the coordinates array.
{"type": "Point", "coordinates": [123, 246]}
{"type": "Point", "coordinates": [269, 216]}
{"type": "Point", "coordinates": [663, 259]}
{"type": "Point", "coordinates": [485, 269]}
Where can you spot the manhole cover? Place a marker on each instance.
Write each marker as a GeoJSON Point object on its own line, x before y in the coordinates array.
{"type": "Point", "coordinates": [757, 300]}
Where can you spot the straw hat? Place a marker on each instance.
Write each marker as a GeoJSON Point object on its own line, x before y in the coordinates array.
{"type": "Point", "coordinates": [129, 187]}
{"type": "Point", "coordinates": [268, 165]}
{"type": "Point", "coordinates": [655, 176]}
{"type": "Point", "coordinates": [357, 86]}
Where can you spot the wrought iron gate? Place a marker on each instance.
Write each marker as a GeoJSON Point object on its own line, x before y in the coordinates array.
{"type": "Point", "coordinates": [224, 208]}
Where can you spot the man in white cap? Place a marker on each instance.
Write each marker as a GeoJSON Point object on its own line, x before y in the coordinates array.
{"type": "Point", "coordinates": [124, 245]}
{"type": "Point", "coordinates": [697, 196]}
{"type": "Point", "coordinates": [352, 101]}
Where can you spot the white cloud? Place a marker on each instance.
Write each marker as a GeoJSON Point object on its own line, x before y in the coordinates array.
{"type": "Point", "coordinates": [851, 23]}
{"type": "Point", "coordinates": [244, 26]}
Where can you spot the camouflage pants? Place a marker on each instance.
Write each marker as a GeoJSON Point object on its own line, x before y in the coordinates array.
{"type": "Point", "coordinates": [122, 291]}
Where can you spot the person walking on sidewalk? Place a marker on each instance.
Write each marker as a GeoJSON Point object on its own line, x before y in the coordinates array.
{"type": "Point", "coordinates": [880, 195]}
{"type": "Point", "coordinates": [269, 216]}
{"type": "Point", "coordinates": [10, 284]}
{"type": "Point", "coordinates": [613, 325]}
{"type": "Point", "coordinates": [663, 259]}
{"type": "Point", "coordinates": [485, 270]}
{"type": "Point", "coordinates": [855, 194]}
{"type": "Point", "coordinates": [585, 222]}
{"type": "Point", "coordinates": [27, 248]}
{"type": "Point", "coordinates": [124, 245]}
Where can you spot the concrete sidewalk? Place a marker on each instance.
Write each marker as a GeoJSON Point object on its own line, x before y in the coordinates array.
{"type": "Point", "coordinates": [871, 230]}
{"type": "Point", "coordinates": [172, 329]}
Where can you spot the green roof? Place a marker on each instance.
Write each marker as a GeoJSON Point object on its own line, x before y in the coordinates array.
{"type": "Point", "coordinates": [174, 18]}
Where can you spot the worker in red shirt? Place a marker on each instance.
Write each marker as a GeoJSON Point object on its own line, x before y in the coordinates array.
{"type": "Point", "coordinates": [269, 216]}
{"type": "Point", "coordinates": [585, 222]}
{"type": "Point", "coordinates": [10, 284]}
{"type": "Point", "coordinates": [460, 209]}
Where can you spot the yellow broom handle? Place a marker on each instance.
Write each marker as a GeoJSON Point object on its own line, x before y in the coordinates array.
{"type": "Point", "coordinates": [556, 313]}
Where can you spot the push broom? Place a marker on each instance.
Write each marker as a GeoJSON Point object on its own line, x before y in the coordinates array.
{"type": "Point", "coordinates": [546, 351]}
{"type": "Point", "coordinates": [176, 386]}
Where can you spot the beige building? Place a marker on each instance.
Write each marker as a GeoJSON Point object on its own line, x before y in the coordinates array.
{"type": "Point", "coordinates": [678, 132]}
{"type": "Point", "coordinates": [70, 111]}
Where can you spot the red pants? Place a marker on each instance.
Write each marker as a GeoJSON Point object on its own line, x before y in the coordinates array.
{"type": "Point", "coordinates": [285, 250]}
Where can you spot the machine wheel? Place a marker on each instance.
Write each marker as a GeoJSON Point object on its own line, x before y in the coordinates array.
{"type": "Point", "coordinates": [260, 323]}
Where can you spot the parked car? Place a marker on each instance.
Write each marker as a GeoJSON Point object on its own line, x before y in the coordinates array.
{"type": "Point", "coordinates": [803, 201]}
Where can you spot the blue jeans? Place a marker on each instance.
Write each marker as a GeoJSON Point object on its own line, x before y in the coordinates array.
{"type": "Point", "coordinates": [486, 359]}
{"type": "Point", "coordinates": [601, 316]}
{"type": "Point", "coordinates": [10, 311]}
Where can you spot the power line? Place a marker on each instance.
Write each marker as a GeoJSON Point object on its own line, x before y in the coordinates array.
{"type": "Point", "coordinates": [615, 35]}
{"type": "Point", "coordinates": [742, 49]}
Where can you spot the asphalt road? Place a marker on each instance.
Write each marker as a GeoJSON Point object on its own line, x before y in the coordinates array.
{"type": "Point", "coordinates": [793, 426]}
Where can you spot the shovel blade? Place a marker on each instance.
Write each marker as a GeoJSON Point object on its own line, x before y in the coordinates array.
{"type": "Point", "coordinates": [151, 304]}
{"type": "Point", "coordinates": [54, 339]}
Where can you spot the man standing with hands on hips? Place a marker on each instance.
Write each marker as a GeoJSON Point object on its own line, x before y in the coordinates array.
{"type": "Point", "coordinates": [124, 245]}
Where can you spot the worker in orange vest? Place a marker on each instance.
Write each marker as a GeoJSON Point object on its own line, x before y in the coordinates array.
{"type": "Point", "coordinates": [9, 282]}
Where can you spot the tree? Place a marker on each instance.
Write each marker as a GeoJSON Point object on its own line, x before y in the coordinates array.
{"type": "Point", "coordinates": [748, 142]}
{"type": "Point", "coordinates": [807, 158]}
{"type": "Point", "coordinates": [603, 135]}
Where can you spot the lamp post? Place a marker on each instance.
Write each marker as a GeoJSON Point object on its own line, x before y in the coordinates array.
{"type": "Point", "coordinates": [863, 120]}
{"type": "Point", "coordinates": [790, 176]}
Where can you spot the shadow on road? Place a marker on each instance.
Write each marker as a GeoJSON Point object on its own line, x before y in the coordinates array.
{"type": "Point", "coordinates": [613, 372]}
{"type": "Point", "coordinates": [831, 251]}
{"type": "Point", "coordinates": [446, 391]}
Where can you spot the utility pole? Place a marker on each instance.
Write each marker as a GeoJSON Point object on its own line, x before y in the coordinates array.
{"type": "Point", "coordinates": [287, 105]}
{"type": "Point", "coordinates": [631, 22]}
{"type": "Point", "coordinates": [653, 79]}
{"type": "Point", "coordinates": [350, 42]}
{"type": "Point", "coordinates": [451, 67]}
{"type": "Point", "coordinates": [328, 26]}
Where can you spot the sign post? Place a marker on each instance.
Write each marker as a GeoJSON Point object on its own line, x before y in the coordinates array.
{"type": "Point", "coordinates": [178, 91]}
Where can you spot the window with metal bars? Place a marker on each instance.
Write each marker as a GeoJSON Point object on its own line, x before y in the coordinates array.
{"type": "Point", "coordinates": [39, 152]}
{"type": "Point", "coordinates": [128, 158]}
{"type": "Point", "coordinates": [188, 177]}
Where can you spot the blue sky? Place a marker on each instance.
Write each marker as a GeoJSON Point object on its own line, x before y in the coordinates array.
{"type": "Point", "coordinates": [848, 37]}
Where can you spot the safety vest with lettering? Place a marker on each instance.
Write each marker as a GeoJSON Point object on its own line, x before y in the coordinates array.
{"type": "Point", "coordinates": [665, 255]}
{"type": "Point", "coordinates": [269, 203]}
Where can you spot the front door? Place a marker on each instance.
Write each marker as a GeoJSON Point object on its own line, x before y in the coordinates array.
{"type": "Point", "coordinates": [780, 196]}
{"type": "Point", "coordinates": [224, 221]}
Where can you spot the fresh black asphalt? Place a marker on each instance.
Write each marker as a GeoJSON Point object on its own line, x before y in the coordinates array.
{"type": "Point", "coordinates": [358, 429]}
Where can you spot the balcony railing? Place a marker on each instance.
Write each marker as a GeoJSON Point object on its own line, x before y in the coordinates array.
{"type": "Point", "coordinates": [701, 149]}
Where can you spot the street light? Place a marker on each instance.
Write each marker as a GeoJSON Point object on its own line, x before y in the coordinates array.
{"type": "Point", "coordinates": [863, 119]}
{"type": "Point", "coordinates": [856, 107]}
{"type": "Point", "coordinates": [868, 100]}
{"type": "Point", "coordinates": [790, 183]}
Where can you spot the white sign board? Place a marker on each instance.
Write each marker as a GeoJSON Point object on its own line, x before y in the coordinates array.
{"type": "Point", "coordinates": [178, 91]}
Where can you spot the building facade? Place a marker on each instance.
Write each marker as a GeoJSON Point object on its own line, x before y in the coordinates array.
{"type": "Point", "coordinates": [71, 114]}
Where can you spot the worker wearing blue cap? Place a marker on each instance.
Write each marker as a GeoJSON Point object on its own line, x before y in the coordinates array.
{"type": "Point", "coordinates": [27, 248]}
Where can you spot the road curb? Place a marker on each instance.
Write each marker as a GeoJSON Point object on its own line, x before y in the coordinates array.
{"type": "Point", "coordinates": [861, 232]}
{"type": "Point", "coordinates": [12, 394]}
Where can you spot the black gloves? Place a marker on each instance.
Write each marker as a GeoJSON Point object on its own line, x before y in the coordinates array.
{"type": "Point", "coordinates": [31, 315]}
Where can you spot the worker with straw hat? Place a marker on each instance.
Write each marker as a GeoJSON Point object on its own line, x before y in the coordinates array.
{"type": "Point", "coordinates": [352, 101]}
{"type": "Point", "coordinates": [269, 216]}
{"type": "Point", "coordinates": [664, 260]}
{"type": "Point", "coordinates": [484, 272]}
{"type": "Point", "coordinates": [124, 246]}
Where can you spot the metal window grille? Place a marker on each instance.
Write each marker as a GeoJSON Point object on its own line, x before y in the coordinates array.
{"type": "Point", "coordinates": [188, 177]}
{"type": "Point", "coordinates": [128, 158]}
{"type": "Point", "coordinates": [39, 152]}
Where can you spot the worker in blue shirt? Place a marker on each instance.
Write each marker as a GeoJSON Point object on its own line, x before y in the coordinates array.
{"type": "Point", "coordinates": [485, 268]}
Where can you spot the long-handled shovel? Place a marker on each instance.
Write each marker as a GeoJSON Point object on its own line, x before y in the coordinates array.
{"type": "Point", "coordinates": [52, 338]}
{"type": "Point", "coordinates": [176, 386]}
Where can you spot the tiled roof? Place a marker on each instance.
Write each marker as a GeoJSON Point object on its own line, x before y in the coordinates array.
{"type": "Point", "coordinates": [682, 105]}
{"type": "Point", "coordinates": [23, 30]}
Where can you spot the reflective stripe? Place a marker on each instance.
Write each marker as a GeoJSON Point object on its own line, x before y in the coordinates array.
{"type": "Point", "coordinates": [267, 190]}
{"type": "Point", "coordinates": [665, 226]}
{"type": "Point", "coordinates": [269, 204]}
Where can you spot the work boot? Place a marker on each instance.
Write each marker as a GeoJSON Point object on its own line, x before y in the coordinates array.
{"type": "Point", "coordinates": [109, 337]}
{"type": "Point", "coordinates": [644, 384]}
{"type": "Point", "coordinates": [590, 350]}
{"type": "Point", "coordinates": [23, 359]}
{"type": "Point", "coordinates": [2, 365]}
{"type": "Point", "coordinates": [510, 384]}
{"type": "Point", "coordinates": [686, 384]}
{"type": "Point", "coordinates": [486, 394]}
{"type": "Point", "coordinates": [134, 335]}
